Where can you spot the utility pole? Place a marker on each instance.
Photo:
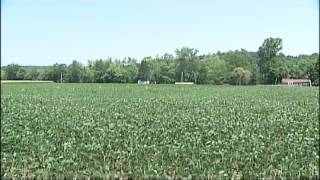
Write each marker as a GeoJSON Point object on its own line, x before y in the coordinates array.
{"type": "Point", "coordinates": [182, 76]}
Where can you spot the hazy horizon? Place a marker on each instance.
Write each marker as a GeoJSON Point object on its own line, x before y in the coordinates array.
{"type": "Point", "coordinates": [85, 62]}
{"type": "Point", "coordinates": [45, 32]}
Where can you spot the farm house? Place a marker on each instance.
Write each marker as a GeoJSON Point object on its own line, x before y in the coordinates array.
{"type": "Point", "coordinates": [299, 82]}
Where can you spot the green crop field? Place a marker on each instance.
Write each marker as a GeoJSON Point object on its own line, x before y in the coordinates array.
{"type": "Point", "coordinates": [159, 130]}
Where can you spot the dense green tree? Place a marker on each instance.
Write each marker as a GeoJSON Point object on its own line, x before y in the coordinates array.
{"type": "Point", "coordinates": [167, 70]}
{"type": "Point", "coordinates": [144, 71]}
{"type": "Point", "coordinates": [74, 72]}
{"type": "Point", "coordinates": [115, 73]}
{"type": "Point", "coordinates": [188, 65]}
{"type": "Point", "coordinates": [203, 73]}
{"type": "Point", "coordinates": [45, 75]}
{"type": "Point", "coordinates": [87, 75]}
{"type": "Point", "coordinates": [99, 69]}
{"type": "Point", "coordinates": [240, 76]}
{"type": "Point", "coordinates": [278, 70]}
{"type": "Point", "coordinates": [32, 74]}
{"type": "Point", "coordinates": [270, 48]}
{"type": "Point", "coordinates": [155, 70]}
{"type": "Point", "coordinates": [57, 70]}
{"type": "Point", "coordinates": [21, 73]}
{"type": "Point", "coordinates": [11, 70]}
{"type": "Point", "coordinates": [313, 71]}
{"type": "Point", "coordinates": [216, 70]}
{"type": "Point", "coordinates": [132, 71]}
{"type": "Point", "coordinates": [267, 51]}
{"type": "Point", "coordinates": [245, 59]}
{"type": "Point", "coordinates": [3, 75]}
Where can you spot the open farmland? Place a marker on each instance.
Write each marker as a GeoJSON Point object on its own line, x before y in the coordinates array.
{"type": "Point", "coordinates": [159, 130]}
{"type": "Point", "coordinates": [24, 82]}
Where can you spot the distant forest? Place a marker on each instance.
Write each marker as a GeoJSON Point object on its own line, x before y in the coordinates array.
{"type": "Point", "coordinates": [266, 66]}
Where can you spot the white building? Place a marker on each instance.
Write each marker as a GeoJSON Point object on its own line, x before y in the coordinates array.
{"type": "Point", "coordinates": [143, 82]}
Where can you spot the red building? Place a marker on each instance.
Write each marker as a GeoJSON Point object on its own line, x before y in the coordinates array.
{"type": "Point", "coordinates": [299, 82]}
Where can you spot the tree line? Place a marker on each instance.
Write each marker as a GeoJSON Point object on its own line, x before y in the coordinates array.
{"type": "Point", "coordinates": [241, 67]}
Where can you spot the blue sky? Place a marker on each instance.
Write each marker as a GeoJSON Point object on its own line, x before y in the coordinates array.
{"type": "Point", "coordinates": [42, 32]}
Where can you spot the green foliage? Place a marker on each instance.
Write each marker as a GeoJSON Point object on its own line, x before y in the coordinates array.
{"type": "Point", "coordinates": [188, 64]}
{"type": "Point", "coordinates": [167, 69]}
{"type": "Point", "coordinates": [216, 70]}
{"type": "Point", "coordinates": [144, 71]}
{"type": "Point", "coordinates": [132, 71]}
{"type": "Point", "coordinates": [32, 74]}
{"type": "Point", "coordinates": [159, 130]}
{"type": "Point", "coordinates": [268, 51]}
{"type": "Point", "coordinates": [185, 53]}
{"type": "Point", "coordinates": [115, 73]}
{"type": "Point", "coordinates": [87, 75]}
{"type": "Point", "coordinates": [20, 74]}
{"type": "Point", "coordinates": [267, 65]}
{"type": "Point", "coordinates": [313, 71]}
{"type": "Point", "coordinates": [244, 59]}
{"type": "Point", "coordinates": [240, 76]}
{"type": "Point", "coordinates": [74, 72]}
{"type": "Point", "coordinates": [56, 71]}
{"type": "Point", "coordinates": [99, 69]}
{"type": "Point", "coordinates": [278, 70]}
{"type": "Point", "coordinates": [12, 72]}
{"type": "Point", "coordinates": [270, 48]}
{"type": "Point", "coordinates": [3, 75]}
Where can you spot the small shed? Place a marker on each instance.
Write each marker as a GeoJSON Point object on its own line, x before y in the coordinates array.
{"type": "Point", "coordinates": [143, 82]}
{"type": "Point", "coordinates": [185, 83]}
{"type": "Point", "coordinates": [298, 82]}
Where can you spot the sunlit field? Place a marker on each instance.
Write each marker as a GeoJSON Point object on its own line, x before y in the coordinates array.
{"type": "Point", "coordinates": [103, 130]}
{"type": "Point", "coordinates": [24, 82]}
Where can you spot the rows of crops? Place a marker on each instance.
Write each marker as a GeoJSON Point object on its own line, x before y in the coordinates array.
{"type": "Point", "coordinates": [159, 130]}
